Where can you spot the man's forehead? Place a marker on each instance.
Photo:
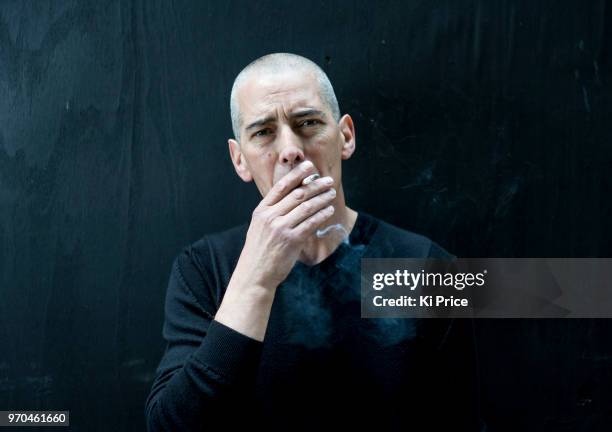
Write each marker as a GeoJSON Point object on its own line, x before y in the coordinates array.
{"type": "Point", "coordinates": [262, 94]}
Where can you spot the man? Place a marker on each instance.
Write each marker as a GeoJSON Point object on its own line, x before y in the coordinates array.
{"type": "Point", "coordinates": [263, 323]}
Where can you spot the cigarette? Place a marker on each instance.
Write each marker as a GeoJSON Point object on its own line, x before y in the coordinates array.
{"type": "Point", "coordinates": [310, 179]}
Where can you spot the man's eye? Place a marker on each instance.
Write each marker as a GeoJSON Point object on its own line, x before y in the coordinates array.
{"type": "Point", "coordinates": [262, 132]}
{"type": "Point", "coordinates": [311, 122]}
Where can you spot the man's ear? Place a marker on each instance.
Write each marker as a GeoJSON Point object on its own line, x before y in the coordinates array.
{"type": "Point", "coordinates": [347, 129]}
{"type": "Point", "coordinates": [239, 161]}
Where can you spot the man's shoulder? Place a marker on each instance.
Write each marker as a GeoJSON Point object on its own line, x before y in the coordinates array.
{"type": "Point", "coordinates": [218, 251]}
{"type": "Point", "coordinates": [391, 241]}
{"type": "Point", "coordinates": [229, 241]}
{"type": "Point", "coordinates": [206, 265]}
{"type": "Point", "coordinates": [213, 255]}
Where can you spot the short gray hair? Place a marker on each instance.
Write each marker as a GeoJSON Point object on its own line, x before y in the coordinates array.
{"type": "Point", "coordinates": [277, 62]}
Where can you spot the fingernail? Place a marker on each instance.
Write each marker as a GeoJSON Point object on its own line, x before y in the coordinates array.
{"type": "Point", "coordinates": [327, 180]}
{"type": "Point", "coordinates": [332, 192]}
{"type": "Point", "coordinates": [306, 165]}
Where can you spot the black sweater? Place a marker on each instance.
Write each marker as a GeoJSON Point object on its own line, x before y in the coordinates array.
{"type": "Point", "coordinates": [320, 365]}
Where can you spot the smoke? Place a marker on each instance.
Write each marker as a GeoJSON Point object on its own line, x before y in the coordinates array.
{"type": "Point", "coordinates": [321, 304]}
{"type": "Point", "coordinates": [338, 228]}
{"type": "Point", "coordinates": [308, 322]}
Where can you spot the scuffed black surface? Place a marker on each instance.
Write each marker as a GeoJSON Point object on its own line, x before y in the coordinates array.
{"type": "Point", "coordinates": [482, 124]}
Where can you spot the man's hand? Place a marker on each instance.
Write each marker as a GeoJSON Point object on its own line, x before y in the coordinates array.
{"type": "Point", "coordinates": [287, 216]}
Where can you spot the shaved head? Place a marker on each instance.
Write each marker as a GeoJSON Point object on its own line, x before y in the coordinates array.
{"type": "Point", "coordinates": [280, 63]}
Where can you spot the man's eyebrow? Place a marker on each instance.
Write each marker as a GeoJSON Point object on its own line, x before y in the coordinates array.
{"type": "Point", "coordinates": [261, 122]}
{"type": "Point", "coordinates": [306, 113]}
{"type": "Point", "coordinates": [295, 115]}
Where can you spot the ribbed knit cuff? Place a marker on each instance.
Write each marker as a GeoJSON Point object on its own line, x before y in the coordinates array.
{"type": "Point", "coordinates": [228, 352]}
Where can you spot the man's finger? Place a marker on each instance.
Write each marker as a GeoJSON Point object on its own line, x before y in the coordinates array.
{"type": "Point", "coordinates": [290, 181]}
{"type": "Point", "coordinates": [308, 226]}
{"type": "Point", "coordinates": [302, 194]}
{"type": "Point", "coordinates": [306, 209]}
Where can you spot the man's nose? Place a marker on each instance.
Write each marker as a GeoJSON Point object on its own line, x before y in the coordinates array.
{"type": "Point", "coordinates": [291, 151]}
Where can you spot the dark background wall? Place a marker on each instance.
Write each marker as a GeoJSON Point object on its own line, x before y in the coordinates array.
{"type": "Point", "coordinates": [482, 124]}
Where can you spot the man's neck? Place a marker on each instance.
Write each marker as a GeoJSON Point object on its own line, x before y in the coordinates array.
{"type": "Point", "coordinates": [317, 248]}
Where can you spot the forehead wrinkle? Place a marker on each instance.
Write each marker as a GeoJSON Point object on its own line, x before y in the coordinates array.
{"type": "Point", "coordinates": [298, 108]}
{"type": "Point", "coordinates": [271, 94]}
{"type": "Point", "coordinates": [291, 69]}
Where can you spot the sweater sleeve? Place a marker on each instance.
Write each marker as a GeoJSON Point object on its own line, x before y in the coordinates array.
{"type": "Point", "coordinates": [205, 363]}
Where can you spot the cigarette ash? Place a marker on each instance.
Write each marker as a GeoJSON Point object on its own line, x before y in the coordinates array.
{"type": "Point", "coordinates": [310, 179]}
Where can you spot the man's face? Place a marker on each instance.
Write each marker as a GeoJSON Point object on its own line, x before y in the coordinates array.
{"type": "Point", "coordinates": [284, 121]}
